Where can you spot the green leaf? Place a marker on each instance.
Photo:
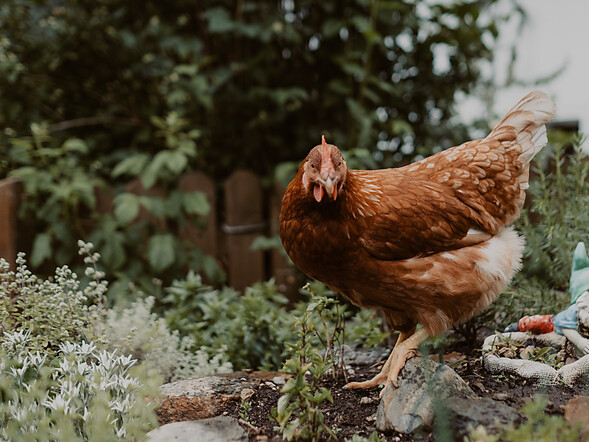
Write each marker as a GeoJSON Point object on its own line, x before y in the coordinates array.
{"type": "Point", "coordinates": [219, 20]}
{"type": "Point", "coordinates": [126, 207]}
{"type": "Point", "coordinates": [41, 249]}
{"type": "Point", "coordinates": [176, 161]}
{"type": "Point", "coordinates": [151, 173]}
{"type": "Point", "coordinates": [155, 205]}
{"type": "Point", "coordinates": [196, 203]}
{"type": "Point", "coordinates": [132, 165]}
{"type": "Point", "coordinates": [161, 251]}
{"type": "Point", "coordinates": [75, 145]}
{"type": "Point", "coordinates": [113, 251]}
{"type": "Point", "coordinates": [283, 403]}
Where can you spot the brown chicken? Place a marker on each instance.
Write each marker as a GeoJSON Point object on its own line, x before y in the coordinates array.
{"type": "Point", "coordinates": [428, 243]}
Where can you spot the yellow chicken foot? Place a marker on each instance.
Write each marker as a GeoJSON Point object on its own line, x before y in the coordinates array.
{"type": "Point", "coordinates": [381, 378]}
{"type": "Point", "coordinates": [405, 348]}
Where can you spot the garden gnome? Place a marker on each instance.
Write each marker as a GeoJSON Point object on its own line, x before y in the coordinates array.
{"type": "Point", "coordinates": [573, 322]}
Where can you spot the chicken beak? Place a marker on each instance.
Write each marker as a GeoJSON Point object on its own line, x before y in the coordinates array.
{"type": "Point", "coordinates": [330, 186]}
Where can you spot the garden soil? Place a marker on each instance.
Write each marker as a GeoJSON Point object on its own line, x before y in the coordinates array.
{"type": "Point", "coordinates": [353, 412]}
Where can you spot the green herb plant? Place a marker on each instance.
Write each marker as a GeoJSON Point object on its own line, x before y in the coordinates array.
{"type": "Point", "coordinates": [298, 413]}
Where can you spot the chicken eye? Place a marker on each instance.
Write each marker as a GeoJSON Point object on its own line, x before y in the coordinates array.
{"type": "Point", "coordinates": [312, 165]}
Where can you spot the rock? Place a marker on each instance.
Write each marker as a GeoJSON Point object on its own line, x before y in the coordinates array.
{"type": "Point", "coordinates": [411, 406]}
{"type": "Point", "coordinates": [279, 380]}
{"type": "Point", "coordinates": [201, 398]}
{"type": "Point", "coordinates": [362, 356]}
{"type": "Point", "coordinates": [470, 413]}
{"type": "Point", "coordinates": [576, 411]}
{"type": "Point", "coordinates": [216, 429]}
{"type": "Point", "coordinates": [246, 394]}
{"type": "Point", "coordinates": [428, 391]}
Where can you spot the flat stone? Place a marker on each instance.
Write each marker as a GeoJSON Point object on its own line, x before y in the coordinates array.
{"type": "Point", "coordinates": [279, 380]}
{"type": "Point", "coordinates": [216, 429]}
{"type": "Point", "coordinates": [206, 397]}
{"type": "Point", "coordinates": [470, 413]}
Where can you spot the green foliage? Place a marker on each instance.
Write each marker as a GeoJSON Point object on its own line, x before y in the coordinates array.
{"type": "Point", "coordinates": [373, 438]}
{"type": "Point", "coordinates": [503, 346]}
{"type": "Point", "coordinates": [245, 408]}
{"type": "Point", "coordinates": [51, 311]}
{"type": "Point", "coordinates": [102, 97]}
{"type": "Point", "coordinates": [252, 327]}
{"type": "Point", "coordinates": [361, 327]}
{"type": "Point", "coordinates": [139, 332]}
{"type": "Point", "coordinates": [559, 216]}
{"type": "Point", "coordinates": [67, 198]}
{"type": "Point", "coordinates": [298, 411]}
{"type": "Point", "coordinates": [67, 364]}
{"type": "Point", "coordinates": [365, 328]}
{"type": "Point", "coordinates": [538, 427]}
{"type": "Point", "coordinates": [81, 394]}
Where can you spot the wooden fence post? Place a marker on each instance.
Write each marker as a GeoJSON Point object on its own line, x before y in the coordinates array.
{"type": "Point", "coordinates": [204, 238]}
{"type": "Point", "coordinates": [287, 278]}
{"type": "Point", "coordinates": [10, 191]}
{"type": "Point", "coordinates": [244, 221]}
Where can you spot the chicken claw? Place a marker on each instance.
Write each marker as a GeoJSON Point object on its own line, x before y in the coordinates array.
{"type": "Point", "coordinates": [405, 348]}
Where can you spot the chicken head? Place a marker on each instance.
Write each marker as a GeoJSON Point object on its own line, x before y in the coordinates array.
{"type": "Point", "coordinates": [324, 171]}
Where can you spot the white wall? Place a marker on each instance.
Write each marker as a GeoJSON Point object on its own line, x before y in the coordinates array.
{"type": "Point", "coordinates": [556, 34]}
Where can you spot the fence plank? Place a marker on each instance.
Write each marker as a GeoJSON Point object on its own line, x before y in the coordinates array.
{"type": "Point", "coordinates": [202, 235]}
{"type": "Point", "coordinates": [288, 279]}
{"type": "Point", "coordinates": [244, 221]}
{"type": "Point", "coordinates": [10, 191]}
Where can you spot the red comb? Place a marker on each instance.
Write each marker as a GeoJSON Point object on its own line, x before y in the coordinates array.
{"type": "Point", "coordinates": [323, 143]}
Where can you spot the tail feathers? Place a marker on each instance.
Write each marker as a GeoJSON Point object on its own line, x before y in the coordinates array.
{"type": "Point", "coordinates": [527, 121]}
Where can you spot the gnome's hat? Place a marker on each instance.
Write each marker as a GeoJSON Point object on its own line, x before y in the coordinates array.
{"type": "Point", "coordinates": [579, 273]}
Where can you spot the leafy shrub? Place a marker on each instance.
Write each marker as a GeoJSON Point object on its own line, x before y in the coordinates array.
{"type": "Point", "coordinates": [51, 311]}
{"type": "Point", "coordinates": [298, 412]}
{"type": "Point", "coordinates": [252, 328]}
{"type": "Point", "coordinates": [79, 393]}
{"type": "Point", "coordinates": [559, 215]}
{"type": "Point", "coordinates": [146, 336]}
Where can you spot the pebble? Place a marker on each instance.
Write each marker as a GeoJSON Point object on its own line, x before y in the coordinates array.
{"type": "Point", "coordinates": [246, 394]}
{"type": "Point", "coordinates": [270, 384]}
{"type": "Point", "coordinates": [501, 396]}
{"type": "Point", "coordinates": [279, 380]}
{"type": "Point", "coordinates": [366, 400]}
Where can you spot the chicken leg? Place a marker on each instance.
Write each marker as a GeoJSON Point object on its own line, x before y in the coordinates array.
{"type": "Point", "coordinates": [405, 348]}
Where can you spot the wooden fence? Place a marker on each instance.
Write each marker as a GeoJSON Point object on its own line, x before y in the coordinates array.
{"type": "Point", "coordinates": [240, 212]}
